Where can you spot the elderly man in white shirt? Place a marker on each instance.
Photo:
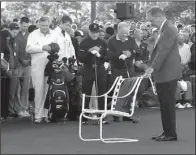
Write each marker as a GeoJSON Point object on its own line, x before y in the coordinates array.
{"type": "Point", "coordinates": [37, 46]}
{"type": "Point", "coordinates": [185, 55]}
{"type": "Point", "coordinates": [64, 39]}
{"type": "Point", "coordinates": [184, 50]}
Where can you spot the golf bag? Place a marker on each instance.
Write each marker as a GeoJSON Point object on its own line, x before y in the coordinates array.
{"type": "Point", "coordinates": [57, 99]}
{"type": "Point", "coordinates": [75, 90]}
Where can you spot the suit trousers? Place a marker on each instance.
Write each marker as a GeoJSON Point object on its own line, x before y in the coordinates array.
{"type": "Point", "coordinates": [24, 75]}
{"type": "Point", "coordinates": [5, 81]}
{"type": "Point", "coordinates": [166, 93]}
{"type": "Point", "coordinates": [14, 105]}
{"type": "Point", "coordinates": [88, 80]}
{"type": "Point", "coordinates": [40, 85]}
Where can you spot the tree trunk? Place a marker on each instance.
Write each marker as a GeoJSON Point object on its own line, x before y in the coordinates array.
{"type": "Point", "coordinates": [93, 11]}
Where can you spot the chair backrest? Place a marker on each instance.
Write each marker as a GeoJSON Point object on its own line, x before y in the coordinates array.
{"type": "Point", "coordinates": [123, 94]}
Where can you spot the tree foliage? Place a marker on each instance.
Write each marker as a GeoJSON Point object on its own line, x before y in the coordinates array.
{"type": "Point", "coordinates": [183, 11]}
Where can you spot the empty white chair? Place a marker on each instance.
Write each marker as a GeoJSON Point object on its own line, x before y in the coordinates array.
{"type": "Point", "coordinates": [117, 109]}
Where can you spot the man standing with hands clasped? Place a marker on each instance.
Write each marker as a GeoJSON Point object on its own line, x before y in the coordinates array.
{"type": "Point", "coordinates": [165, 69]}
{"type": "Point", "coordinates": [38, 46]}
{"type": "Point", "coordinates": [92, 54]}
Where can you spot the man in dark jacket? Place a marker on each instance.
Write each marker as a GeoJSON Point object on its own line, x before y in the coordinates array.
{"type": "Point", "coordinates": [92, 55]}
{"type": "Point", "coordinates": [166, 71]}
{"type": "Point", "coordinates": [5, 74]}
{"type": "Point", "coordinates": [24, 60]}
{"type": "Point", "coordinates": [121, 54]}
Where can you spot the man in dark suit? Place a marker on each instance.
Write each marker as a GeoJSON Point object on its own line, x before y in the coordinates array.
{"type": "Point", "coordinates": [165, 69]}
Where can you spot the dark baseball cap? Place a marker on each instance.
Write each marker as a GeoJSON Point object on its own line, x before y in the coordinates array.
{"type": "Point", "coordinates": [94, 27]}
{"type": "Point", "coordinates": [14, 26]}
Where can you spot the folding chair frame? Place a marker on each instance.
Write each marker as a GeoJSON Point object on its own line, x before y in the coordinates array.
{"type": "Point", "coordinates": [117, 83]}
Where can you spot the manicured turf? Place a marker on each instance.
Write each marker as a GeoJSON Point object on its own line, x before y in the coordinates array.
{"type": "Point", "coordinates": [22, 137]}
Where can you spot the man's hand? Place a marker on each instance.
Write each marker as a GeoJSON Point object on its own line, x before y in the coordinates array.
{"type": "Point", "coordinates": [96, 53]}
{"type": "Point", "coordinates": [127, 53]}
{"type": "Point", "coordinates": [148, 72]}
{"type": "Point", "coordinates": [122, 57]}
{"type": "Point", "coordinates": [46, 48]}
{"type": "Point", "coordinates": [9, 73]}
{"type": "Point", "coordinates": [26, 62]}
{"type": "Point", "coordinates": [138, 63]}
{"type": "Point", "coordinates": [95, 48]}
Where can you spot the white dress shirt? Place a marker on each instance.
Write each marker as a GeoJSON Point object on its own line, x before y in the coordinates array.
{"type": "Point", "coordinates": [65, 44]}
{"type": "Point", "coordinates": [185, 53]}
{"type": "Point", "coordinates": [159, 32]}
{"type": "Point", "coordinates": [36, 40]}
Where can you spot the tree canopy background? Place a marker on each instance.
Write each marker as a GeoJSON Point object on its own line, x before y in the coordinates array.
{"type": "Point", "coordinates": [80, 11]}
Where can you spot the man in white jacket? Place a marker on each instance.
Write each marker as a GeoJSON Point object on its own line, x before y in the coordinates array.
{"type": "Point", "coordinates": [37, 46]}
{"type": "Point", "coordinates": [64, 39]}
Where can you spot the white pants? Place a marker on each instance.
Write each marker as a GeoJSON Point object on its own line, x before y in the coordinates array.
{"type": "Point", "coordinates": [40, 85]}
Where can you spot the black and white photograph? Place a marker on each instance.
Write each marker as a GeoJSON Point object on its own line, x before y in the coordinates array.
{"type": "Point", "coordinates": [97, 77]}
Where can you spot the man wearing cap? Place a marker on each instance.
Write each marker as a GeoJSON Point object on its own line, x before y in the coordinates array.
{"type": "Point", "coordinates": [92, 55]}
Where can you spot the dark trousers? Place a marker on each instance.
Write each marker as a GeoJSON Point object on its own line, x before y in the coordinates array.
{"type": "Point", "coordinates": [4, 96]}
{"type": "Point", "coordinates": [166, 93]}
{"type": "Point", "coordinates": [88, 80]}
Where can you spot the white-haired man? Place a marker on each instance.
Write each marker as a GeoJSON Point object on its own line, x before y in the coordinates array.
{"type": "Point", "coordinates": [120, 53]}
{"type": "Point", "coordinates": [37, 46]}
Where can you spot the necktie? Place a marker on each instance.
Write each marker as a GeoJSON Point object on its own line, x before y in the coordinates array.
{"type": "Point", "coordinates": [63, 32]}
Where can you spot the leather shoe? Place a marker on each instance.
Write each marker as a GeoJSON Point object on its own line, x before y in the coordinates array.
{"type": "Point", "coordinates": [154, 138]}
{"type": "Point", "coordinates": [166, 138]}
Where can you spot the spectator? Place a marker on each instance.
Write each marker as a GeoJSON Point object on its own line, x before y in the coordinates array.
{"type": "Point", "coordinates": [184, 95]}
{"type": "Point", "coordinates": [31, 28]}
{"type": "Point", "coordinates": [192, 28]}
{"type": "Point", "coordinates": [148, 27]}
{"type": "Point", "coordinates": [5, 74]}
{"type": "Point", "coordinates": [185, 55]}
{"type": "Point", "coordinates": [138, 24]}
{"type": "Point", "coordinates": [186, 35]}
{"type": "Point", "coordinates": [14, 29]}
{"type": "Point", "coordinates": [132, 26]}
{"type": "Point", "coordinates": [143, 26]}
{"type": "Point", "coordinates": [74, 27]}
{"type": "Point", "coordinates": [141, 55]}
{"type": "Point", "coordinates": [78, 35]}
{"type": "Point", "coordinates": [179, 27]}
{"type": "Point", "coordinates": [109, 33]}
{"type": "Point", "coordinates": [120, 53]}
{"type": "Point", "coordinates": [15, 20]}
{"type": "Point", "coordinates": [93, 51]}
{"type": "Point", "coordinates": [193, 60]}
{"type": "Point", "coordinates": [24, 63]}
{"type": "Point", "coordinates": [38, 46]}
{"type": "Point", "coordinates": [102, 34]}
{"type": "Point", "coordinates": [140, 51]}
{"type": "Point", "coordinates": [64, 33]}
{"type": "Point", "coordinates": [14, 106]}
{"type": "Point", "coordinates": [85, 30]}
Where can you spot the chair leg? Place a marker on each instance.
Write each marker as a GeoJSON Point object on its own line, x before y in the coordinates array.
{"type": "Point", "coordinates": [112, 140]}
{"type": "Point", "coordinates": [80, 131]}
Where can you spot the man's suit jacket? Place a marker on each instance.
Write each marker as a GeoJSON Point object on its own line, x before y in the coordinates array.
{"type": "Point", "coordinates": [20, 43]}
{"type": "Point", "coordinates": [165, 59]}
